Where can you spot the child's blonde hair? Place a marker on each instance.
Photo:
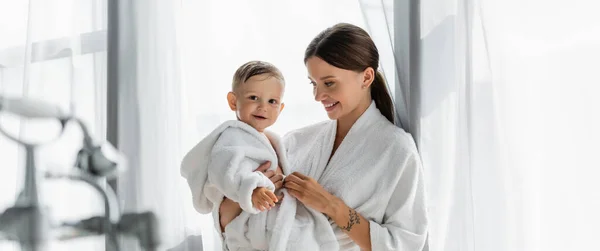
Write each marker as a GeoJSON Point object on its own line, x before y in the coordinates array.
{"type": "Point", "coordinates": [253, 68]}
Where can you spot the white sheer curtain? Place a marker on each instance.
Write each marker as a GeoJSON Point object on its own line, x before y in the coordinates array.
{"type": "Point", "coordinates": [509, 123]}
{"type": "Point", "coordinates": [54, 51]}
{"type": "Point", "coordinates": [379, 22]}
{"type": "Point", "coordinates": [149, 119]}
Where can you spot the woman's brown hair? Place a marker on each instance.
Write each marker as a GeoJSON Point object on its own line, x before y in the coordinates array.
{"type": "Point", "coordinates": [349, 47]}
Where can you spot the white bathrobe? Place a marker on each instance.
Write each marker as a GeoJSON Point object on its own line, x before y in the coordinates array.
{"type": "Point", "coordinates": [223, 164]}
{"type": "Point", "coordinates": [376, 171]}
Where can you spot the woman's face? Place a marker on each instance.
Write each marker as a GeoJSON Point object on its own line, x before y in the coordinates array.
{"type": "Point", "coordinates": [339, 90]}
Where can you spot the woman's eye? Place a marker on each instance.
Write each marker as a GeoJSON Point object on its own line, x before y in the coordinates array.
{"type": "Point", "coordinates": [313, 83]}
{"type": "Point", "coordinates": [328, 84]}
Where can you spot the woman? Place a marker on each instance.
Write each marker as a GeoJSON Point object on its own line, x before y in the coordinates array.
{"type": "Point", "coordinates": [358, 169]}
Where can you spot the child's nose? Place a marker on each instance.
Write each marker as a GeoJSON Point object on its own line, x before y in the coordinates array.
{"type": "Point", "coordinates": [262, 106]}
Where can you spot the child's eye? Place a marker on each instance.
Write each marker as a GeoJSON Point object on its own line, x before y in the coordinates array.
{"type": "Point", "coordinates": [273, 101]}
{"type": "Point", "coordinates": [253, 97]}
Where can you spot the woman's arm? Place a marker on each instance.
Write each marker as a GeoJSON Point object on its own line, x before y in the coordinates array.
{"type": "Point", "coordinates": [351, 222]}
{"type": "Point", "coordinates": [229, 210]}
{"type": "Point", "coordinates": [405, 222]}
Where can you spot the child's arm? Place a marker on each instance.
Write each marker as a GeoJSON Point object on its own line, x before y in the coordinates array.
{"type": "Point", "coordinates": [231, 171]}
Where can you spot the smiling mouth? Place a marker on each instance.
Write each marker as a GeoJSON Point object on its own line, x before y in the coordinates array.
{"type": "Point", "coordinates": [259, 117]}
{"type": "Point", "coordinates": [330, 107]}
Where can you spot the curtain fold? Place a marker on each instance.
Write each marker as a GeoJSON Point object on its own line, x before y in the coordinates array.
{"type": "Point", "coordinates": [45, 54]}
{"type": "Point", "coordinates": [445, 122]}
{"type": "Point", "coordinates": [380, 17]}
{"type": "Point", "coordinates": [506, 124]}
{"type": "Point", "coordinates": [149, 120]}
{"type": "Point", "coordinates": [542, 71]}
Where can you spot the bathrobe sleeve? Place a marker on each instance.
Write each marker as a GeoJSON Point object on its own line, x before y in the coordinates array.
{"type": "Point", "coordinates": [232, 172]}
{"type": "Point", "coordinates": [404, 225]}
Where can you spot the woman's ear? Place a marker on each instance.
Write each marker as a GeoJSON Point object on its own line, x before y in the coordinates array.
{"type": "Point", "coordinates": [232, 100]}
{"type": "Point", "coordinates": [368, 77]}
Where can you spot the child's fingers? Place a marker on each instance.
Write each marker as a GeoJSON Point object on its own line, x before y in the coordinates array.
{"type": "Point", "coordinates": [257, 204]}
{"type": "Point", "coordinates": [272, 196]}
{"type": "Point", "coordinates": [266, 200]}
{"type": "Point", "coordinates": [269, 200]}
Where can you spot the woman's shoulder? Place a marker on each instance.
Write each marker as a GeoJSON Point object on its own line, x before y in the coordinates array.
{"type": "Point", "coordinates": [398, 150]}
{"type": "Point", "coordinates": [396, 137]}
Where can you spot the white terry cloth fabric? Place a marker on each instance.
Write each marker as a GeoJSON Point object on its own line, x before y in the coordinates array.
{"type": "Point", "coordinates": [376, 170]}
{"type": "Point", "coordinates": [223, 164]}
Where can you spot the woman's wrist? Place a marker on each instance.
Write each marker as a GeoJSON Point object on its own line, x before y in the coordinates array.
{"type": "Point", "coordinates": [335, 208]}
{"type": "Point", "coordinates": [345, 217]}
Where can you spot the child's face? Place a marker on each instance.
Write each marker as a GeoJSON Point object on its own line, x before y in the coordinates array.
{"type": "Point", "coordinates": [257, 102]}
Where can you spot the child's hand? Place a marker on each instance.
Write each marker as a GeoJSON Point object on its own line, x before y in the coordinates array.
{"type": "Point", "coordinates": [263, 198]}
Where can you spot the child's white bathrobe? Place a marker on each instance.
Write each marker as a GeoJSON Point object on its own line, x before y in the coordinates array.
{"type": "Point", "coordinates": [223, 164]}
{"type": "Point", "coordinates": [376, 171]}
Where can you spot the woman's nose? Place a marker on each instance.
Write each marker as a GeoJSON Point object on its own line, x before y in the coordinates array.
{"type": "Point", "coordinates": [319, 94]}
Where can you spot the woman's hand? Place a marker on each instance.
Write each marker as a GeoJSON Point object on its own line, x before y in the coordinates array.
{"type": "Point", "coordinates": [229, 209]}
{"type": "Point", "coordinates": [313, 195]}
{"type": "Point", "coordinates": [308, 191]}
{"type": "Point", "coordinates": [275, 176]}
